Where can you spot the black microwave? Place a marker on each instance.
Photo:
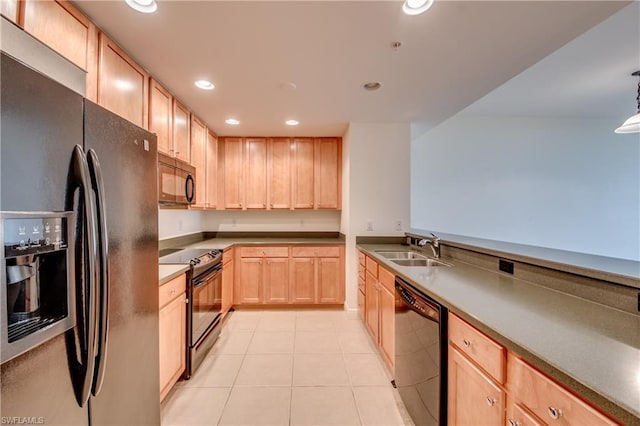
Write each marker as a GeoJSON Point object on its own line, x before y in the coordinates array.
{"type": "Point", "coordinates": [176, 181]}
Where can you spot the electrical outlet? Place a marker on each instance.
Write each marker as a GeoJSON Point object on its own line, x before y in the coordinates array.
{"type": "Point", "coordinates": [369, 225]}
{"type": "Point", "coordinates": [505, 266]}
{"type": "Point", "coordinates": [398, 225]}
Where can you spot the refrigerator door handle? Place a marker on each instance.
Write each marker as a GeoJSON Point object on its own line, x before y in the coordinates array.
{"type": "Point", "coordinates": [82, 371]}
{"type": "Point", "coordinates": [103, 303]}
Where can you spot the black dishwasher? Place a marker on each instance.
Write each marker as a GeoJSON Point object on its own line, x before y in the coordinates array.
{"type": "Point", "coordinates": [421, 355]}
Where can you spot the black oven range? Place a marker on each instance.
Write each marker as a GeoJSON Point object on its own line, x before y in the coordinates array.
{"type": "Point", "coordinates": [204, 301]}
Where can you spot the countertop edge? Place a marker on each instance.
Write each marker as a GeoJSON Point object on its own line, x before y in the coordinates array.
{"type": "Point", "coordinates": [599, 400]}
{"type": "Point", "coordinates": [176, 270]}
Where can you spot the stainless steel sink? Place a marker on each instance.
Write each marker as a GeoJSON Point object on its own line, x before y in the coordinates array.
{"type": "Point", "coordinates": [401, 255]}
{"type": "Point", "coordinates": [419, 262]}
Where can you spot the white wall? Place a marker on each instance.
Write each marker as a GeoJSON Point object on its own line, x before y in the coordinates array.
{"type": "Point", "coordinates": [565, 183]}
{"type": "Point", "coordinates": [271, 221]}
{"type": "Point", "coordinates": [376, 167]}
{"type": "Point", "coordinates": [174, 223]}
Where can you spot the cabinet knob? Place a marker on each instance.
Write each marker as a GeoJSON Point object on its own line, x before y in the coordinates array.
{"type": "Point", "coordinates": [271, 205]}
{"type": "Point", "coordinates": [467, 343]}
{"type": "Point", "coordinates": [512, 422]}
{"type": "Point", "coordinates": [490, 401]}
{"type": "Point", "coordinates": [264, 205]}
{"type": "Point", "coordinates": [172, 291]}
{"type": "Point", "coordinates": [554, 413]}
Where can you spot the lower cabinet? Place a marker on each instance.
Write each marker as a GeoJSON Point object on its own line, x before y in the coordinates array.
{"type": "Point", "coordinates": [490, 386]}
{"type": "Point", "coordinates": [379, 308]}
{"type": "Point", "coordinates": [290, 275]}
{"type": "Point", "coordinates": [172, 327]}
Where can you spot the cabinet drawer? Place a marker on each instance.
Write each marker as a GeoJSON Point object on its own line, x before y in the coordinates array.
{"type": "Point", "coordinates": [172, 289]}
{"type": "Point", "coordinates": [315, 251]}
{"type": "Point", "coordinates": [227, 255]}
{"type": "Point", "coordinates": [361, 258]}
{"type": "Point", "coordinates": [264, 252]}
{"type": "Point", "coordinates": [387, 279]}
{"type": "Point", "coordinates": [481, 349]}
{"type": "Point", "coordinates": [372, 266]}
{"type": "Point", "coordinates": [361, 269]}
{"type": "Point", "coordinates": [547, 400]}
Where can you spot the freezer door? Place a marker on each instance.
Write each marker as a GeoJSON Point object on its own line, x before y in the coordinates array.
{"type": "Point", "coordinates": [41, 124]}
{"type": "Point", "coordinates": [128, 162]}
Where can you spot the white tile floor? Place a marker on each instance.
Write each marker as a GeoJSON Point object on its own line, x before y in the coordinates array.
{"type": "Point", "coordinates": [288, 367]}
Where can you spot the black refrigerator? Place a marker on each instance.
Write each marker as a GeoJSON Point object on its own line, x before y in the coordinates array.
{"type": "Point", "coordinates": [70, 163]}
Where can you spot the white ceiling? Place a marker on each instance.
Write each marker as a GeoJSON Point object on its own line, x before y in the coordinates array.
{"type": "Point", "coordinates": [588, 77]}
{"type": "Point", "coordinates": [450, 56]}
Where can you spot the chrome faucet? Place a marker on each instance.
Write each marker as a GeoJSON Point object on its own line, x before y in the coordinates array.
{"type": "Point", "coordinates": [434, 243]}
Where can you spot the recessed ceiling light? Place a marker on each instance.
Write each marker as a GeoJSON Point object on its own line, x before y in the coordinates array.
{"type": "Point", "coordinates": [144, 6]}
{"type": "Point", "coordinates": [416, 7]}
{"type": "Point", "coordinates": [204, 85]}
{"type": "Point", "coordinates": [291, 122]}
{"type": "Point", "coordinates": [372, 85]}
{"type": "Point", "coordinates": [232, 121]}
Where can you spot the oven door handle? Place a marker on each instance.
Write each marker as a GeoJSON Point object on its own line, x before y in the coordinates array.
{"type": "Point", "coordinates": [202, 281]}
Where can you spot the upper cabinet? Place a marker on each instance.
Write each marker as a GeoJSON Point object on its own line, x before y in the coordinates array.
{"type": "Point", "coordinates": [302, 171]}
{"type": "Point", "coordinates": [122, 84]}
{"type": "Point", "coordinates": [212, 170]}
{"type": "Point", "coordinates": [9, 9]}
{"type": "Point", "coordinates": [63, 28]}
{"type": "Point", "coordinates": [328, 162]}
{"type": "Point", "coordinates": [181, 133]}
{"type": "Point", "coordinates": [280, 173]}
{"type": "Point", "coordinates": [160, 116]}
{"type": "Point", "coordinates": [199, 159]}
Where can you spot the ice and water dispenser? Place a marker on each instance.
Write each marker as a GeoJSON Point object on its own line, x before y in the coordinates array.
{"type": "Point", "coordinates": [37, 291]}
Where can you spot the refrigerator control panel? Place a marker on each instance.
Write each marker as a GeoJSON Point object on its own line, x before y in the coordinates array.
{"type": "Point", "coordinates": [34, 234]}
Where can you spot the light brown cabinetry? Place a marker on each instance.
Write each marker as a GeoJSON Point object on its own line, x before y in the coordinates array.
{"type": "Point", "coordinates": [317, 275]}
{"type": "Point", "coordinates": [231, 170]}
{"type": "Point", "coordinates": [9, 9]}
{"type": "Point", "coordinates": [302, 173]}
{"type": "Point", "coordinates": [328, 163]}
{"type": "Point", "coordinates": [122, 83]}
{"type": "Point", "coordinates": [160, 116]}
{"type": "Point", "coordinates": [228, 275]}
{"type": "Point", "coordinates": [263, 275]}
{"type": "Point", "coordinates": [181, 131]}
{"type": "Point", "coordinates": [65, 29]}
{"type": "Point", "coordinates": [474, 398]}
{"type": "Point", "coordinates": [255, 172]}
{"type": "Point", "coordinates": [172, 329]}
{"type": "Point", "coordinates": [212, 170]}
{"type": "Point", "coordinates": [379, 306]}
{"type": "Point", "coordinates": [199, 159]}
{"type": "Point", "coordinates": [279, 173]}
{"type": "Point", "coordinates": [542, 400]}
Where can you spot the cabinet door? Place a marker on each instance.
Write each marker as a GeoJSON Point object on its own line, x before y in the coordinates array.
{"type": "Point", "coordinates": [371, 315]}
{"type": "Point", "coordinates": [473, 397]}
{"type": "Point", "coordinates": [181, 132]}
{"type": "Point", "coordinates": [517, 415]}
{"type": "Point", "coordinates": [232, 172]}
{"type": "Point", "coordinates": [255, 161]}
{"type": "Point", "coordinates": [172, 325]}
{"type": "Point", "coordinates": [303, 277]}
{"type": "Point", "coordinates": [279, 173]}
{"type": "Point", "coordinates": [198, 158]}
{"type": "Point", "coordinates": [212, 170]}
{"type": "Point", "coordinates": [9, 9]}
{"type": "Point", "coordinates": [160, 104]}
{"type": "Point", "coordinates": [330, 288]}
{"type": "Point", "coordinates": [227, 286]}
{"type": "Point", "coordinates": [361, 304]}
{"type": "Point", "coordinates": [303, 183]}
{"type": "Point", "coordinates": [327, 172]}
{"type": "Point", "coordinates": [276, 280]}
{"type": "Point", "coordinates": [250, 281]}
{"type": "Point", "coordinates": [387, 324]}
{"type": "Point", "coordinates": [65, 29]}
{"type": "Point", "coordinates": [122, 84]}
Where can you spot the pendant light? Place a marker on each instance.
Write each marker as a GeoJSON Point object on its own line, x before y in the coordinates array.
{"type": "Point", "coordinates": [632, 125]}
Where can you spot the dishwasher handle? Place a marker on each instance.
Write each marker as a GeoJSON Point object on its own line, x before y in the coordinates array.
{"type": "Point", "coordinates": [418, 303]}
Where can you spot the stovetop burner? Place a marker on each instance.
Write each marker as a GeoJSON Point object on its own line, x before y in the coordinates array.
{"type": "Point", "coordinates": [192, 257]}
